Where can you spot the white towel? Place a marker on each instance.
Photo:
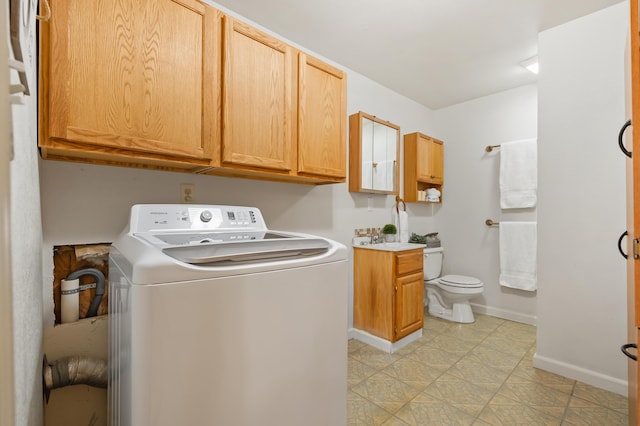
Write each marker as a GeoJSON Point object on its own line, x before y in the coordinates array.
{"type": "Point", "coordinates": [518, 174]}
{"type": "Point", "coordinates": [518, 255]}
{"type": "Point", "coordinates": [401, 220]}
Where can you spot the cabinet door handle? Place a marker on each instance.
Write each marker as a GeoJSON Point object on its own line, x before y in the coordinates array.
{"type": "Point", "coordinates": [624, 234]}
{"type": "Point", "coordinates": [621, 142]}
{"type": "Point", "coordinates": [624, 350]}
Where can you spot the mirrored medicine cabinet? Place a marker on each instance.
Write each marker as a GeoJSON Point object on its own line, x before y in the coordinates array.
{"type": "Point", "coordinates": [374, 155]}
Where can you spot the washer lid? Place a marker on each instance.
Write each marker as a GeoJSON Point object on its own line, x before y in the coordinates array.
{"type": "Point", "coordinates": [209, 252]}
{"type": "Point", "coordinates": [460, 281]}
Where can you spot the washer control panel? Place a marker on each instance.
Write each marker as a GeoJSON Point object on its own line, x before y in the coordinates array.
{"type": "Point", "coordinates": [180, 217]}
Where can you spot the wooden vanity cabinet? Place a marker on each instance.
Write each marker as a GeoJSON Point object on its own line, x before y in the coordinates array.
{"type": "Point", "coordinates": [133, 83]}
{"type": "Point", "coordinates": [423, 165]}
{"type": "Point", "coordinates": [388, 292]}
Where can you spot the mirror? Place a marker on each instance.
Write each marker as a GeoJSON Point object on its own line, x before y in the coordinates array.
{"type": "Point", "coordinates": [374, 155]}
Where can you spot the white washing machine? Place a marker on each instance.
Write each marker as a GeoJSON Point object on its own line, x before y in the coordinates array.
{"type": "Point", "coordinates": [216, 320]}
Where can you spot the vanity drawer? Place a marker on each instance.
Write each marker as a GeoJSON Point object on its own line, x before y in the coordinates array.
{"type": "Point", "coordinates": [409, 261]}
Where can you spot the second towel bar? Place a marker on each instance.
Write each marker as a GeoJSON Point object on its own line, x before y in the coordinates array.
{"type": "Point", "coordinates": [489, 222]}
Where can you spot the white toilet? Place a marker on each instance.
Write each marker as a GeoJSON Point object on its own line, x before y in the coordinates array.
{"type": "Point", "coordinates": [448, 296]}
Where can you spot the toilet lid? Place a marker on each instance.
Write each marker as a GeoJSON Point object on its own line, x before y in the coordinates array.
{"type": "Point", "coordinates": [460, 281]}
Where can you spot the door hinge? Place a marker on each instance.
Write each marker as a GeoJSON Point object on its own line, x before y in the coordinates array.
{"type": "Point", "coordinates": [636, 248]}
{"type": "Point", "coordinates": [395, 330]}
{"type": "Point", "coordinates": [396, 288]}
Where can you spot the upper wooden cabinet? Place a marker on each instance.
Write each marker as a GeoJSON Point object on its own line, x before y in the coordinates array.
{"type": "Point", "coordinates": [257, 108]}
{"type": "Point", "coordinates": [374, 155]}
{"type": "Point", "coordinates": [322, 112]}
{"type": "Point", "coordinates": [284, 112]}
{"type": "Point", "coordinates": [423, 165]}
{"type": "Point", "coordinates": [130, 82]}
{"type": "Point", "coordinates": [174, 84]}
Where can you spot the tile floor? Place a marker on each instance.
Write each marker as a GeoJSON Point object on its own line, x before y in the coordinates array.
{"type": "Point", "coordinates": [470, 374]}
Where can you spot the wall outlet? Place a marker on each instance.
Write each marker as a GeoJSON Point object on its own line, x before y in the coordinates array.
{"type": "Point", "coordinates": [187, 192]}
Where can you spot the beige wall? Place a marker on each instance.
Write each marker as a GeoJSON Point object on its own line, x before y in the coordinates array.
{"type": "Point", "coordinates": [582, 207]}
{"type": "Point", "coordinates": [473, 195]}
{"type": "Point", "coordinates": [26, 244]}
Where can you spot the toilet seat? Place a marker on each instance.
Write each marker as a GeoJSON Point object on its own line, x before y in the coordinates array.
{"type": "Point", "coordinates": [461, 281]}
{"type": "Point", "coordinates": [458, 284]}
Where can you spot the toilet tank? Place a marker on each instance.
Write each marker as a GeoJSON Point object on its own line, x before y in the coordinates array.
{"type": "Point", "coordinates": [432, 262]}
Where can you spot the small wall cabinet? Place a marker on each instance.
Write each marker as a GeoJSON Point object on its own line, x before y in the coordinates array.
{"type": "Point", "coordinates": [374, 155]}
{"type": "Point", "coordinates": [423, 165]}
{"type": "Point", "coordinates": [388, 292]}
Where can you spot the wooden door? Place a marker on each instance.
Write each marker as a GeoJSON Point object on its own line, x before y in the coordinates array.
{"type": "Point", "coordinates": [131, 75]}
{"type": "Point", "coordinates": [373, 282]}
{"type": "Point", "coordinates": [422, 159]}
{"type": "Point", "coordinates": [409, 304]}
{"type": "Point", "coordinates": [436, 161]}
{"type": "Point", "coordinates": [322, 115]}
{"type": "Point", "coordinates": [429, 155]}
{"type": "Point", "coordinates": [257, 107]}
{"type": "Point", "coordinates": [633, 204]}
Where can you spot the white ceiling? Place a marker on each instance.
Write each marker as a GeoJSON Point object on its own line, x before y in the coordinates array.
{"type": "Point", "coordinates": [436, 52]}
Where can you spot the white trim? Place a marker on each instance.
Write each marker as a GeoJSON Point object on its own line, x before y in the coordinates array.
{"type": "Point", "coordinates": [504, 314]}
{"type": "Point", "coordinates": [382, 344]}
{"type": "Point", "coordinates": [589, 377]}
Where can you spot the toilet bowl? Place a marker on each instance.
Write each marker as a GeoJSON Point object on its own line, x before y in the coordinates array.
{"type": "Point", "coordinates": [448, 297]}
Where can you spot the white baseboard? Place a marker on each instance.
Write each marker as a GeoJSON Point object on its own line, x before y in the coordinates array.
{"type": "Point", "coordinates": [504, 314]}
{"type": "Point", "coordinates": [583, 375]}
{"type": "Point", "coordinates": [382, 344]}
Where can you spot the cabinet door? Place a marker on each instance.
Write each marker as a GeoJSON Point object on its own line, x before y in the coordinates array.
{"type": "Point", "coordinates": [436, 162]}
{"type": "Point", "coordinates": [257, 107]}
{"type": "Point", "coordinates": [430, 160]}
{"type": "Point", "coordinates": [409, 304]}
{"type": "Point", "coordinates": [374, 155]}
{"type": "Point", "coordinates": [373, 292]}
{"type": "Point", "coordinates": [321, 119]}
{"type": "Point", "coordinates": [131, 75]}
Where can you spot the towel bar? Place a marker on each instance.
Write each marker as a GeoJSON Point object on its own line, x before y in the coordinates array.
{"type": "Point", "coordinates": [489, 222]}
{"type": "Point", "coordinates": [490, 148]}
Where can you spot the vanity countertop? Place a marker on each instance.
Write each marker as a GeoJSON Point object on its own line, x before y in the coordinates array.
{"type": "Point", "coordinates": [391, 246]}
